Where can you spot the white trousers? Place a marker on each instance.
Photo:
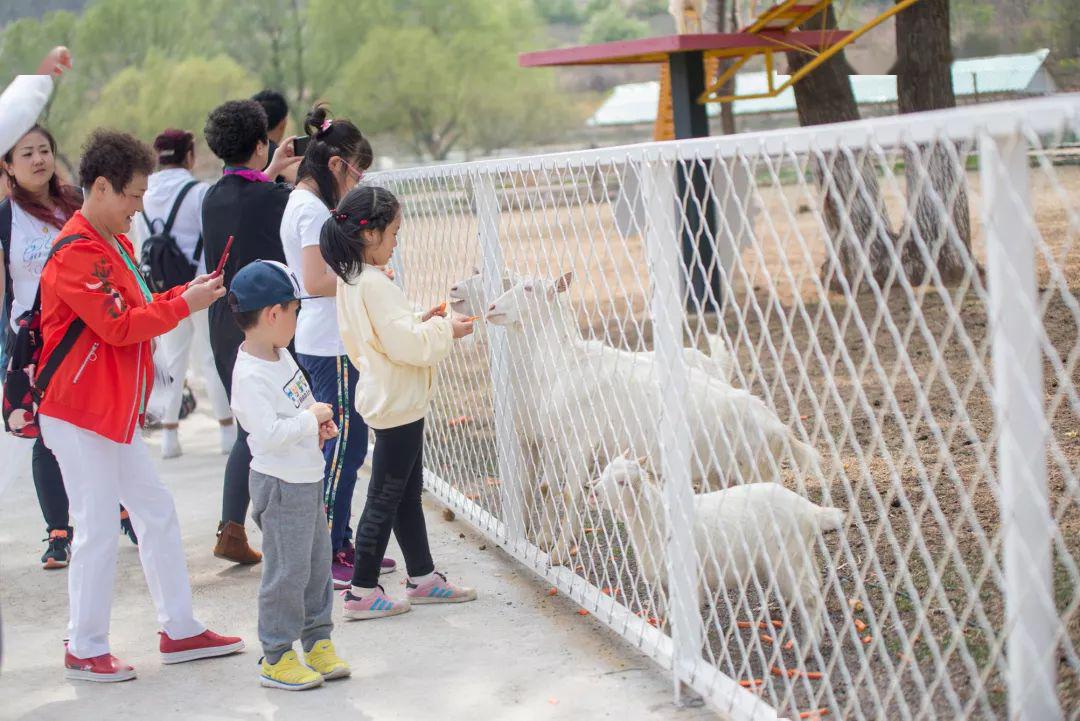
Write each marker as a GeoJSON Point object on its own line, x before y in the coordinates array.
{"type": "Point", "coordinates": [99, 475]}
{"type": "Point", "coordinates": [192, 338]}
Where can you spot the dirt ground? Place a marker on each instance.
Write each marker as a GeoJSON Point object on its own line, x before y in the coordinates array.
{"type": "Point", "coordinates": [894, 394]}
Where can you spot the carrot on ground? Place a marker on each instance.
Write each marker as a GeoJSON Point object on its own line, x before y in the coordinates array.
{"type": "Point", "coordinates": [750, 624]}
{"type": "Point", "coordinates": [751, 682]}
{"type": "Point", "coordinates": [553, 591]}
{"type": "Point", "coordinates": [457, 421]}
{"type": "Point", "coordinates": [778, 624]}
{"type": "Point", "coordinates": [812, 675]}
{"type": "Point", "coordinates": [582, 612]}
{"type": "Point", "coordinates": [867, 638]}
{"type": "Point", "coordinates": [860, 625]}
{"type": "Point", "coordinates": [766, 638]}
{"type": "Point", "coordinates": [818, 713]}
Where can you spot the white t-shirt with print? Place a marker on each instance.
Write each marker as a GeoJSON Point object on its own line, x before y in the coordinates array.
{"type": "Point", "coordinates": [317, 327]}
{"type": "Point", "coordinates": [271, 401]}
{"type": "Point", "coordinates": [31, 241]}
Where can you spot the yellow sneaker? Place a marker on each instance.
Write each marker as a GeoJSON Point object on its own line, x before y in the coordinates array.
{"type": "Point", "coordinates": [289, 674]}
{"type": "Point", "coordinates": [323, 658]}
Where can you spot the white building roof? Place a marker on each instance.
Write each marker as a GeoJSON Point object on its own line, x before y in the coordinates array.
{"type": "Point", "coordinates": [636, 103]}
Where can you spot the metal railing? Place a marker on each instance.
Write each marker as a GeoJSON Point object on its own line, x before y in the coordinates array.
{"type": "Point", "coordinates": [879, 317]}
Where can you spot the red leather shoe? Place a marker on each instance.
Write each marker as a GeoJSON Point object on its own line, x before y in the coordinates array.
{"type": "Point", "coordinates": [103, 669]}
{"type": "Point", "coordinates": [206, 645]}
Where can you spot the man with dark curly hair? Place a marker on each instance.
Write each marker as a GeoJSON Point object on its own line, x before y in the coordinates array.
{"type": "Point", "coordinates": [246, 205]}
{"type": "Point", "coordinates": [98, 324]}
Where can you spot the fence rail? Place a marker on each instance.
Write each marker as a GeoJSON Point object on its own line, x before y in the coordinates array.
{"type": "Point", "coordinates": [695, 350]}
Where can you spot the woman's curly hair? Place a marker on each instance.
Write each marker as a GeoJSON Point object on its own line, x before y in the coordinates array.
{"type": "Point", "coordinates": [115, 156]}
{"type": "Point", "coordinates": [234, 129]}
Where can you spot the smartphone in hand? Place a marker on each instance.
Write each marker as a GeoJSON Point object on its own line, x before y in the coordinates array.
{"type": "Point", "coordinates": [224, 257]}
{"type": "Point", "coordinates": [300, 144]}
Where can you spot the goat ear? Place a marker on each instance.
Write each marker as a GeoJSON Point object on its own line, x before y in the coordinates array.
{"type": "Point", "coordinates": [563, 283]}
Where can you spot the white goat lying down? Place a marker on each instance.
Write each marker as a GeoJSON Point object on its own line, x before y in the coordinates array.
{"type": "Point", "coordinates": [468, 297]}
{"type": "Point", "coordinates": [576, 400]}
{"type": "Point", "coordinates": [760, 528]}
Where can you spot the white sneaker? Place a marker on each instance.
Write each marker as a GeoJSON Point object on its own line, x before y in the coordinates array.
{"type": "Point", "coordinates": [228, 438]}
{"type": "Point", "coordinates": [170, 443]}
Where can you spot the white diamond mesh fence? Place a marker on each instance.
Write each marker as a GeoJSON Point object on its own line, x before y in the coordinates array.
{"type": "Point", "coordinates": [794, 413]}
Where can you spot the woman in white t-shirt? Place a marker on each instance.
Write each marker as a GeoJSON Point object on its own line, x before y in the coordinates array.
{"type": "Point", "coordinates": [336, 158]}
{"type": "Point", "coordinates": [39, 204]}
{"type": "Point", "coordinates": [176, 157]}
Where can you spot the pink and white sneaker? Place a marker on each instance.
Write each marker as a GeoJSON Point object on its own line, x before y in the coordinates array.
{"type": "Point", "coordinates": [341, 569]}
{"type": "Point", "coordinates": [348, 552]}
{"type": "Point", "coordinates": [438, 590]}
{"type": "Point", "coordinates": [374, 605]}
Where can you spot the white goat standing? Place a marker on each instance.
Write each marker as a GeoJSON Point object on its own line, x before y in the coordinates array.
{"type": "Point", "coordinates": [759, 528]}
{"type": "Point", "coordinates": [468, 298]}
{"type": "Point", "coordinates": [577, 402]}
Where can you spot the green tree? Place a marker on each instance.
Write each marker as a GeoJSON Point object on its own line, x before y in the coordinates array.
{"type": "Point", "coordinates": [610, 23]}
{"type": "Point", "coordinates": [439, 77]}
{"type": "Point", "coordinates": [165, 93]}
{"type": "Point", "coordinates": [24, 42]}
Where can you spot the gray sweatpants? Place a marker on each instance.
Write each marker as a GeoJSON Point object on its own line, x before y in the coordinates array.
{"type": "Point", "coordinates": [297, 593]}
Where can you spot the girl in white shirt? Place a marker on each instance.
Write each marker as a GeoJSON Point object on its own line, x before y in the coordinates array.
{"type": "Point", "coordinates": [39, 205]}
{"type": "Point", "coordinates": [176, 158]}
{"type": "Point", "coordinates": [336, 158]}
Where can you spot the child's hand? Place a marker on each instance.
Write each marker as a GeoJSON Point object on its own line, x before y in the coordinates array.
{"type": "Point", "coordinates": [439, 310]}
{"type": "Point", "coordinates": [322, 412]}
{"type": "Point", "coordinates": [462, 325]}
{"type": "Point", "coordinates": [327, 431]}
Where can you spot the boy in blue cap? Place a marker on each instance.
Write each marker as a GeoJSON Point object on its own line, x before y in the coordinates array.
{"type": "Point", "coordinates": [273, 402]}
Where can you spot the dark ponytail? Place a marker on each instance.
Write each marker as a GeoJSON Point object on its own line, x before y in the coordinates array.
{"type": "Point", "coordinates": [329, 138]}
{"type": "Point", "coordinates": [342, 240]}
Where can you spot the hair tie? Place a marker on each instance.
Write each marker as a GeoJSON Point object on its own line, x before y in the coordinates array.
{"type": "Point", "coordinates": [326, 125]}
{"type": "Point", "coordinates": [362, 222]}
{"type": "Point", "coordinates": [341, 217]}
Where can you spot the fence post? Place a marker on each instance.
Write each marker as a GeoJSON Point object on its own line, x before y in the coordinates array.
{"type": "Point", "coordinates": [511, 464]}
{"type": "Point", "coordinates": [664, 254]}
{"type": "Point", "coordinates": [1027, 527]}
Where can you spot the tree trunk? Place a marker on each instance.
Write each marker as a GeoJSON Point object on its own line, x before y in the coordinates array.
{"type": "Point", "coordinates": [298, 39]}
{"type": "Point", "coordinates": [933, 172]}
{"type": "Point", "coordinates": [853, 209]}
{"type": "Point", "coordinates": [715, 21]}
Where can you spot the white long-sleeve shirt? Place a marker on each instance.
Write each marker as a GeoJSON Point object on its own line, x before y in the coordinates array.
{"type": "Point", "coordinates": [271, 400]}
{"type": "Point", "coordinates": [20, 105]}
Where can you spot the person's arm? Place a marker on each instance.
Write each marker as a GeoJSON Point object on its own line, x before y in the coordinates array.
{"type": "Point", "coordinates": [84, 281]}
{"type": "Point", "coordinates": [316, 274]}
{"type": "Point", "coordinates": [20, 105]}
{"type": "Point", "coordinates": [404, 338]}
{"type": "Point", "coordinates": [256, 415]}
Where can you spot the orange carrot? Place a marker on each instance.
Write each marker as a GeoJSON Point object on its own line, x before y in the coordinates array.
{"type": "Point", "coordinates": [766, 638]}
{"type": "Point", "coordinates": [867, 639]}
{"type": "Point", "coordinates": [473, 318]}
{"type": "Point", "coordinates": [472, 496]}
{"type": "Point", "coordinates": [553, 591]}
{"type": "Point", "coordinates": [458, 421]}
{"type": "Point", "coordinates": [860, 626]}
{"type": "Point", "coordinates": [812, 675]}
{"type": "Point", "coordinates": [751, 682]}
{"type": "Point", "coordinates": [750, 624]}
{"type": "Point", "coordinates": [582, 612]}
{"type": "Point", "coordinates": [778, 624]}
{"type": "Point", "coordinates": [815, 714]}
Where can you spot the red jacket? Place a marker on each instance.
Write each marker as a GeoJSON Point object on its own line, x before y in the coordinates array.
{"type": "Point", "coordinates": [98, 385]}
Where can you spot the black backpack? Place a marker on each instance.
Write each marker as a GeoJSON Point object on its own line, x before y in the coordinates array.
{"type": "Point", "coordinates": [163, 264]}
{"type": "Point", "coordinates": [25, 382]}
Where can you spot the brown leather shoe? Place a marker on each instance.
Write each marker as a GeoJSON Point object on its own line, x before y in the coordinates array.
{"type": "Point", "coordinates": [232, 545]}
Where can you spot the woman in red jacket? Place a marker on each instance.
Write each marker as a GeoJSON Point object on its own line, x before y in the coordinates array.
{"type": "Point", "coordinates": [94, 406]}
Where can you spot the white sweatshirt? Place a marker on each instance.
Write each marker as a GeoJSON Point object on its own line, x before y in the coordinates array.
{"type": "Point", "coordinates": [20, 105]}
{"type": "Point", "coordinates": [395, 353]}
{"type": "Point", "coordinates": [271, 401]}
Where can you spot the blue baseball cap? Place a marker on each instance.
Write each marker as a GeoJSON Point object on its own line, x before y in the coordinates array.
{"type": "Point", "coordinates": [261, 284]}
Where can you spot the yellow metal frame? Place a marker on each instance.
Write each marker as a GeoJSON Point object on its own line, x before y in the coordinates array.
{"type": "Point", "coordinates": [771, 46]}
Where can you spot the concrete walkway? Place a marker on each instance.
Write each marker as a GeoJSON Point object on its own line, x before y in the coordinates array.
{"type": "Point", "coordinates": [514, 654]}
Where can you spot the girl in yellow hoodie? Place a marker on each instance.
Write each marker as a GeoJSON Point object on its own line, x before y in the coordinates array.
{"type": "Point", "coordinates": [395, 352]}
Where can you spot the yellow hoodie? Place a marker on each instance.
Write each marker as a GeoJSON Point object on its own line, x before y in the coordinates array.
{"type": "Point", "coordinates": [394, 352]}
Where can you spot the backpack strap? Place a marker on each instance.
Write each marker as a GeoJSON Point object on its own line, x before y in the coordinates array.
{"type": "Point", "coordinates": [176, 206]}
{"type": "Point", "coordinates": [70, 335]}
{"type": "Point", "coordinates": [198, 250]}
{"type": "Point", "coordinates": [5, 243]}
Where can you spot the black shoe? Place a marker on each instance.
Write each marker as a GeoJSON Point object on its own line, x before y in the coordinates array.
{"type": "Point", "coordinates": [58, 553]}
{"type": "Point", "coordinates": [127, 529]}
